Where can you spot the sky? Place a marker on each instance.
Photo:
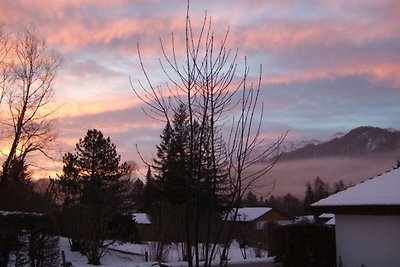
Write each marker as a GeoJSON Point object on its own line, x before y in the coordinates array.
{"type": "Point", "coordinates": [328, 66]}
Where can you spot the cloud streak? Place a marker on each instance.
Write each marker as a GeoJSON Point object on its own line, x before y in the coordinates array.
{"type": "Point", "coordinates": [327, 65]}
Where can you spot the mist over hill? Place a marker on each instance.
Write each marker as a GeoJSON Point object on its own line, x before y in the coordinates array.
{"type": "Point", "coordinates": [353, 157]}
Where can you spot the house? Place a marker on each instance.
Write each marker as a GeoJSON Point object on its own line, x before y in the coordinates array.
{"type": "Point", "coordinates": [145, 229]}
{"type": "Point", "coordinates": [258, 217]}
{"type": "Point", "coordinates": [367, 221]}
{"type": "Point", "coordinates": [251, 226]}
{"type": "Point", "coordinates": [141, 218]}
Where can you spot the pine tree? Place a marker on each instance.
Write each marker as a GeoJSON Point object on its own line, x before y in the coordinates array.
{"type": "Point", "coordinates": [94, 188]}
{"type": "Point", "coordinates": [151, 194]}
{"type": "Point", "coordinates": [309, 197]}
{"type": "Point", "coordinates": [250, 200]}
{"type": "Point", "coordinates": [137, 193]}
{"type": "Point", "coordinates": [172, 159]}
{"type": "Point", "coordinates": [321, 189]}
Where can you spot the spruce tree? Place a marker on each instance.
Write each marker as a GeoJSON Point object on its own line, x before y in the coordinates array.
{"type": "Point", "coordinates": [94, 188]}
{"type": "Point", "coordinates": [309, 196]}
{"type": "Point", "coordinates": [151, 194]}
{"type": "Point", "coordinates": [172, 159]}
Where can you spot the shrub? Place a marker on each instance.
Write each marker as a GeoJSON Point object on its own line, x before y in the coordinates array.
{"type": "Point", "coordinates": [308, 245]}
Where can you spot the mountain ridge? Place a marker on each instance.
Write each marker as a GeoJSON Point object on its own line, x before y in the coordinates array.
{"type": "Point", "coordinates": [364, 140]}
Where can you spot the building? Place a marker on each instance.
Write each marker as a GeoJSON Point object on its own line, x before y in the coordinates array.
{"type": "Point", "coordinates": [145, 229]}
{"type": "Point", "coordinates": [258, 217]}
{"type": "Point", "coordinates": [367, 221]}
{"type": "Point", "coordinates": [251, 226]}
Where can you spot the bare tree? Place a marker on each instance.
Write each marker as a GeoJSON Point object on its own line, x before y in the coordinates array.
{"type": "Point", "coordinates": [4, 49]}
{"type": "Point", "coordinates": [29, 70]}
{"type": "Point", "coordinates": [205, 79]}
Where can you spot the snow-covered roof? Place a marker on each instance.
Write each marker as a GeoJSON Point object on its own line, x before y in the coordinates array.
{"type": "Point", "coordinates": [19, 213]}
{"type": "Point", "coordinates": [331, 222]}
{"type": "Point", "coordinates": [383, 190]}
{"type": "Point", "coordinates": [141, 218]}
{"type": "Point", "coordinates": [326, 216]}
{"type": "Point", "coordinates": [252, 213]}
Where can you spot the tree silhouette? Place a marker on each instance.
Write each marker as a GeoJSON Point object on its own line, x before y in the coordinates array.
{"type": "Point", "coordinates": [29, 71]}
{"type": "Point", "coordinates": [220, 149]}
{"type": "Point", "coordinates": [94, 191]}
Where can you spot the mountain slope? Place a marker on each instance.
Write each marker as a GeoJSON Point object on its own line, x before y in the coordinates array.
{"type": "Point", "coordinates": [364, 140]}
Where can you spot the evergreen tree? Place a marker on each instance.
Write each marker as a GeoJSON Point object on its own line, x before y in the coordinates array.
{"type": "Point", "coordinates": [318, 191]}
{"type": "Point", "coordinates": [94, 191]}
{"type": "Point", "coordinates": [137, 193]}
{"type": "Point", "coordinates": [309, 196]}
{"type": "Point", "coordinates": [171, 163]}
{"type": "Point", "coordinates": [250, 200]}
{"type": "Point", "coordinates": [201, 187]}
{"type": "Point", "coordinates": [339, 186]}
{"type": "Point", "coordinates": [321, 189]}
{"type": "Point", "coordinates": [292, 205]}
{"type": "Point", "coordinates": [151, 194]}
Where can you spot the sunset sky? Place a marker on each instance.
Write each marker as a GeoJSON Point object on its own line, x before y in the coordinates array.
{"type": "Point", "coordinates": [328, 66]}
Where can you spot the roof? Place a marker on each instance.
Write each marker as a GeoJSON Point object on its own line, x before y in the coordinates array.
{"type": "Point", "coordinates": [382, 190]}
{"type": "Point", "coordinates": [251, 214]}
{"type": "Point", "coordinates": [141, 218]}
{"type": "Point", "coordinates": [331, 222]}
{"type": "Point", "coordinates": [18, 213]}
{"type": "Point", "coordinates": [326, 216]}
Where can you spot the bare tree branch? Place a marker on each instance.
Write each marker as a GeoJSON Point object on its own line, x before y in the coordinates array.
{"type": "Point", "coordinates": [28, 90]}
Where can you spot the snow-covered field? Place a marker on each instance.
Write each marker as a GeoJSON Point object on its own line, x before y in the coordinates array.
{"type": "Point", "coordinates": [135, 256]}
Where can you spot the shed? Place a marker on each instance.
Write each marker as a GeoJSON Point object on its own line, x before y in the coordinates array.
{"type": "Point", "coordinates": [367, 219]}
{"type": "Point", "coordinates": [146, 231]}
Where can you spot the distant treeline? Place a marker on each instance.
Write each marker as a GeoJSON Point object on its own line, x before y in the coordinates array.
{"type": "Point", "coordinates": [293, 205]}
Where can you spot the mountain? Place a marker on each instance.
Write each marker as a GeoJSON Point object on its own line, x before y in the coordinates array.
{"type": "Point", "coordinates": [289, 146]}
{"type": "Point", "coordinates": [364, 140]}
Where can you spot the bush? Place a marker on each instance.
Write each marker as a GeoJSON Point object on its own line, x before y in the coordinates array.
{"type": "Point", "coordinates": [308, 245]}
{"type": "Point", "coordinates": [30, 238]}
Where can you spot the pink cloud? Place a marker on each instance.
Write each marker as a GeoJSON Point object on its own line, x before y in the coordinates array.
{"type": "Point", "coordinates": [281, 35]}
{"type": "Point", "coordinates": [377, 73]}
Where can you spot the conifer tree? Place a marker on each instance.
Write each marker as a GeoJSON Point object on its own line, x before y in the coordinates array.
{"type": "Point", "coordinates": [150, 194]}
{"type": "Point", "coordinates": [214, 162]}
{"type": "Point", "coordinates": [94, 191]}
{"type": "Point", "coordinates": [309, 197]}
{"type": "Point", "coordinates": [172, 159]}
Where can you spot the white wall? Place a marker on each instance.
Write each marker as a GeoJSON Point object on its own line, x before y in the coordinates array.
{"type": "Point", "coordinates": [370, 240]}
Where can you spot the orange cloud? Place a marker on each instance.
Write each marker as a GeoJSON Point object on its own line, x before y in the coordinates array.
{"type": "Point", "coordinates": [90, 107]}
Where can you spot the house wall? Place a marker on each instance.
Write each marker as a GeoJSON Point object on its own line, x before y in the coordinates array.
{"type": "Point", "coordinates": [272, 216]}
{"type": "Point", "coordinates": [366, 239]}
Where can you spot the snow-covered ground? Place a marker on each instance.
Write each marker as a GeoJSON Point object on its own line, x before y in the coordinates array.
{"type": "Point", "coordinates": [135, 256]}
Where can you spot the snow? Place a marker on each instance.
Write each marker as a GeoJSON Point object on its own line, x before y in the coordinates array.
{"type": "Point", "coordinates": [19, 213]}
{"type": "Point", "coordinates": [250, 214]}
{"type": "Point", "coordinates": [141, 218]}
{"type": "Point", "coordinates": [326, 216]}
{"type": "Point", "coordinates": [381, 190]}
{"type": "Point", "coordinates": [135, 256]}
{"type": "Point", "coordinates": [304, 219]}
{"type": "Point", "coordinates": [331, 222]}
